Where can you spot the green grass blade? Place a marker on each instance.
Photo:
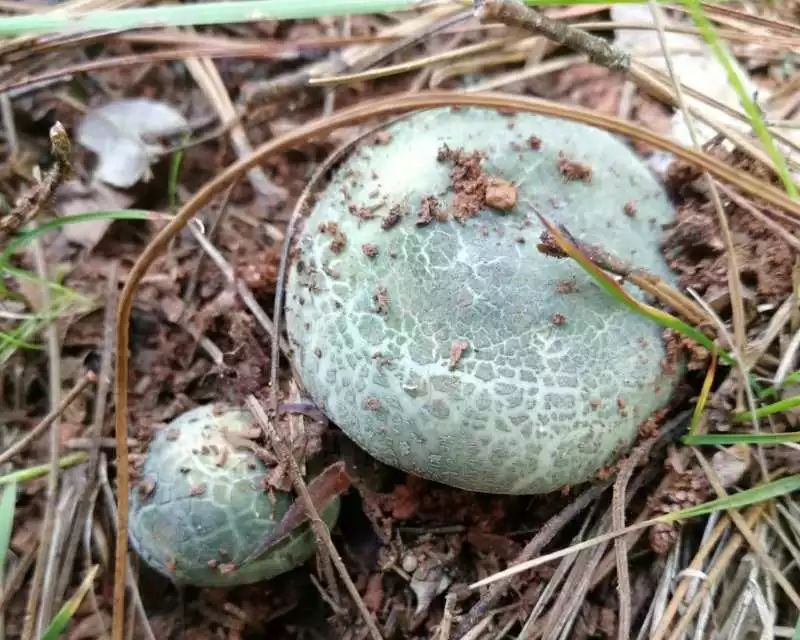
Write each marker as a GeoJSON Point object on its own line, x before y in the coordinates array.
{"type": "Point", "coordinates": [767, 410]}
{"type": "Point", "coordinates": [757, 494]}
{"type": "Point", "coordinates": [616, 291]}
{"type": "Point", "coordinates": [697, 414]}
{"type": "Point", "coordinates": [725, 58]}
{"type": "Point", "coordinates": [64, 615]}
{"type": "Point", "coordinates": [7, 503]}
{"type": "Point", "coordinates": [23, 475]}
{"type": "Point", "coordinates": [210, 13]}
{"type": "Point", "coordinates": [14, 341]}
{"type": "Point", "coordinates": [725, 439]}
{"type": "Point", "coordinates": [796, 635]}
{"type": "Point", "coordinates": [792, 378]}
{"type": "Point", "coordinates": [174, 174]}
{"type": "Point", "coordinates": [32, 277]}
{"type": "Point", "coordinates": [21, 239]}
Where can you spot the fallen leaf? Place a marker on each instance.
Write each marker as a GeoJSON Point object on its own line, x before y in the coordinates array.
{"type": "Point", "coordinates": [123, 134]}
{"type": "Point", "coordinates": [329, 484]}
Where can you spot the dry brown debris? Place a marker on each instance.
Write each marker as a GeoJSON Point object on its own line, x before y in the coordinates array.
{"type": "Point", "coordinates": [466, 179]}
{"type": "Point", "coordinates": [338, 238]}
{"type": "Point", "coordinates": [573, 170]}
{"type": "Point", "coordinates": [392, 218]}
{"type": "Point", "coordinates": [500, 194]}
{"type": "Point", "coordinates": [430, 210]}
{"type": "Point", "coordinates": [370, 250]}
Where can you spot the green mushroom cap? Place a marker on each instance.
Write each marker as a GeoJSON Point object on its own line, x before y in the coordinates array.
{"type": "Point", "coordinates": [201, 508]}
{"type": "Point", "coordinates": [428, 326]}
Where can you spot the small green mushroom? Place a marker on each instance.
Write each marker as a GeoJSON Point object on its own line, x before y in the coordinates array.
{"type": "Point", "coordinates": [428, 326]}
{"type": "Point", "coordinates": [201, 507]}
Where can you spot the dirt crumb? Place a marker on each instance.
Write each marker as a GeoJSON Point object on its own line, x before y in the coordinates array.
{"type": "Point", "coordinates": [392, 218]}
{"type": "Point", "coordinates": [369, 250]}
{"type": "Point", "coordinates": [559, 319]}
{"type": "Point", "coordinates": [338, 239]}
{"type": "Point", "coordinates": [573, 170]}
{"type": "Point", "coordinates": [373, 404]}
{"type": "Point", "coordinates": [535, 143]}
{"type": "Point", "coordinates": [430, 210]}
{"type": "Point", "coordinates": [362, 213]}
{"type": "Point", "coordinates": [630, 209]}
{"type": "Point", "coordinates": [500, 194]}
{"type": "Point", "coordinates": [457, 350]}
{"type": "Point", "coordinates": [466, 179]}
{"type": "Point", "coordinates": [594, 403]}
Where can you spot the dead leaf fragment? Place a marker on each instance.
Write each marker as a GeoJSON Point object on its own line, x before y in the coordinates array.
{"type": "Point", "coordinates": [123, 134]}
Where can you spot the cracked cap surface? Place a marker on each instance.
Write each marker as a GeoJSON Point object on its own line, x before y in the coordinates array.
{"type": "Point", "coordinates": [555, 376]}
{"type": "Point", "coordinates": [202, 506]}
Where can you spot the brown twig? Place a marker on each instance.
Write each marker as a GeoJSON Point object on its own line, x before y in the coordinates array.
{"type": "Point", "coordinates": [363, 111]}
{"type": "Point", "coordinates": [14, 582]}
{"type": "Point", "coordinates": [198, 269]}
{"type": "Point", "coordinates": [51, 417]}
{"type": "Point", "coordinates": [626, 468]}
{"type": "Point", "coordinates": [518, 15]}
{"type": "Point", "coordinates": [30, 204]}
{"type": "Point", "coordinates": [319, 527]}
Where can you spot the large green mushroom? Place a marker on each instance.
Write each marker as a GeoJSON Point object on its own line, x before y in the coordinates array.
{"type": "Point", "coordinates": [428, 326]}
{"type": "Point", "coordinates": [201, 508]}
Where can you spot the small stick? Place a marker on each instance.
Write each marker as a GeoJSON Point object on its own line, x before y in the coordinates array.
{"type": "Point", "coordinates": [14, 581]}
{"type": "Point", "coordinates": [518, 15]}
{"type": "Point", "coordinates": [447, 617]}
{"type": "Point", "coordinates": [620, 544]}
{"type": "Point", "coordinates": [87, 379]}
{"type": "Point", "coordinates": [317, 524]}
{"type": "Point", "coordinates": [30, 204]}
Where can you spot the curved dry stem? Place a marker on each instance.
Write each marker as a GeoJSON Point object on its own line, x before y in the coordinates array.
{"type": "Point", "coordinates": [364, 111]}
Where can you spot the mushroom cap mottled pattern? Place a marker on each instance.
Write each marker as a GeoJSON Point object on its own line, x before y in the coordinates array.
{"type": "Point", "coordinates": [553, 383]}
{"type": "Point", "coordinates": [201, 507]}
